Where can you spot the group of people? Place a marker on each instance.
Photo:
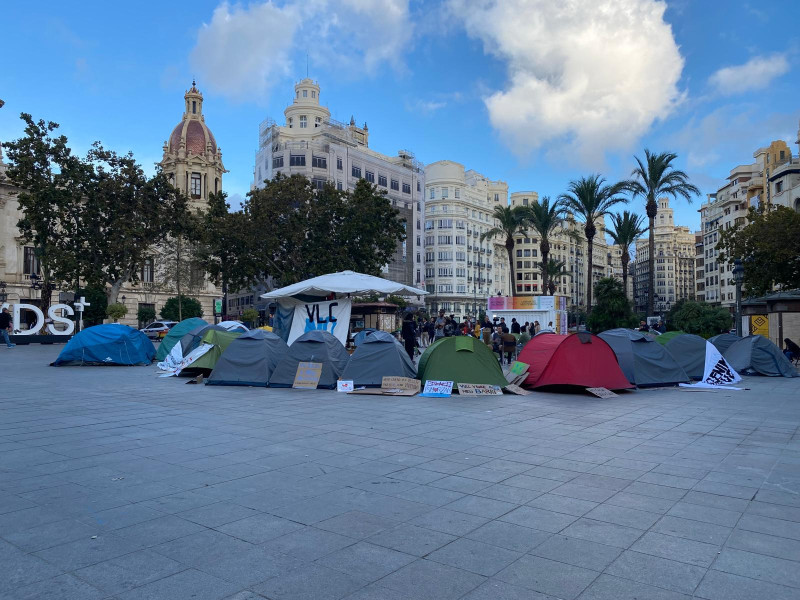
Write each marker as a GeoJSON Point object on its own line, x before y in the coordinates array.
{"type": "Point", "coordinates": [659, 327]}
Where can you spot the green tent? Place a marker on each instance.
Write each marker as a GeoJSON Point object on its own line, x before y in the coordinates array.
{"type": "Point", "coordinates": [175, 334]}
{"type": "Point", "coordinates": [665, 337]}
{"type": "Point", "coordinates": [219, 340]}
{"type": "Point", "coordinates": [460, 359]}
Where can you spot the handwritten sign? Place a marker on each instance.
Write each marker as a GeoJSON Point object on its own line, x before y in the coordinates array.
{"type": "Point", "coordinates": [515, 389]}
{"type": "Point", "coordinates": [479, 389]}
{"type": "Point", "coordinates": [519, 368]}
{"type": "Point", "coordinates": [393, 386]}
{"type": "Point", "coordinates": [602, 392]}
{"type": "Point", "coordinates": [307, 376]}
{"type": "Point", "coordinates": [437, 389]}
{"type": "Point", "coordinates": [344, 386]}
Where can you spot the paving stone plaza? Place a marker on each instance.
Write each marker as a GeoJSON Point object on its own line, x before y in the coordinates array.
{"type": "Point", "coordinates": [116, 484]}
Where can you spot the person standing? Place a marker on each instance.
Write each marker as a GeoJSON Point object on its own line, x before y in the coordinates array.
{"type": "Point", "coordinates": [503, 325]}
{"type": "Point", "coordinates": [515, 326]}
{"type": "Point", "coordinates": [439, 325]}
{"type": "Point", "coordinates": [424, 338]}
{"type": "Point", "coordinates": [409, 335]}
{"type": "Point", "coordinates": [5, 327]}
{"type": "Point", "coordinates": [536, 327]}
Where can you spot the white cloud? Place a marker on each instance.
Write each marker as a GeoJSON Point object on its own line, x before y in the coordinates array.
{"type": "Point", "coordinates": [755, 74]}
{"type": "Point", "coordinates": [588, 78]}
{"type": "Point", "coordinates": [244, 51]}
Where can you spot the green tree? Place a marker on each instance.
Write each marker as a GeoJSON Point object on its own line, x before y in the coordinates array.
{"type": "Point", "coordinates": [653, 178]}
{"type": "Point", "coordinates": [702, 319]}
{"type": "Point", "coordinates": [544, 218]}
{"type": "Point", "coordinates": [555, 270]}
{"type": "Point", "coordinates": [190, 307]}
{"type": "Point", "coordinates": [612, 309]}
{"type": "Point", "coordinates": [145, 314]}
{"type": "Point", "coordinates": [511, 222]}
{"type": "Point", "coordinates": [627, 227]}
{"type": "Point", "coordinates": [52, 182]}
{"type": "Point", "coordinates": [116, 311]}
{"type": "Point", "coordinates": [591, 199]}
{"type": "Point", "coordinates": [769, 246]}
{"type": "Point", "coordinates": [250, 316]}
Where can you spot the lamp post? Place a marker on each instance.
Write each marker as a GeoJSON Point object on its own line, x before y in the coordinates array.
{"type": "Point", "coordinates": [738, 276]}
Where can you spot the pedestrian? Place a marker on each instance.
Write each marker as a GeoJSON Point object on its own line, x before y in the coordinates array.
{"type": "Point", "coordinates": [525, 327]}
{"type": "Point", "coordinates": [643, 326]}
{"type": "Point", "coordinates": [536, 327]}
{"type": "Point", "coordinates": [497, 342]}
{"type": "Point", "coordinates": [5, 327]}
{"type": "Point", "coordinates": [409, 335]}
{"type": "Point", "coordinates": [503, 325]}
{"type": "Point", "coordinates": [515, 328]}
{"type": "Point", "coordinates": [424, 337]}
{"type": "Point", "coordinates": [791, 350]}
{"type": "Point", "coordinates": [439, 325]}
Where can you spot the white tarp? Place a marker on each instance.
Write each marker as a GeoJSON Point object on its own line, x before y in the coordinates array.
{"type": "Point", "coordinates": [169, 365]}
{"type": "Point", "coordinates": [332, 316]}
{"type": "Point", "coordinates": [345, 282]}
{"type": "Point", "coordinates": [717, 371]}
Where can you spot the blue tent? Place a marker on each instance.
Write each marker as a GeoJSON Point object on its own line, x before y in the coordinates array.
{"type": "Point", "coordinates": [112, 344]}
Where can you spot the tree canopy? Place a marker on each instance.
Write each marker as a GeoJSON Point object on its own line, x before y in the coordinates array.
{"type": "Point", "coordinates": [189, 307]}
{"type": "Point", "coordinates": [612, 308]}
{"type": "Point", "coordinates": [769, 246]}
{"type": "Point", "coordinates": [510, 223]}
{"type": "Point", "coordinates": [702, 319]}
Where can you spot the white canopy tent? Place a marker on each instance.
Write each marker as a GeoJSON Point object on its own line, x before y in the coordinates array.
{"type": "Point", "coordinates": [344, 282]}
{"type": "Point", "coordinates": [295, 316]}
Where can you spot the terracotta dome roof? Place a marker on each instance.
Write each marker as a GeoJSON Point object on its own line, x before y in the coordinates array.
{"type": "Point", "coordinates": [195, 137]}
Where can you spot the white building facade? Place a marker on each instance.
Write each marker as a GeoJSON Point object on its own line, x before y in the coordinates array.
{"type": "Point", "coordinates": [310, 143]}
{"type": "Point", "coordinates": [461, 270]}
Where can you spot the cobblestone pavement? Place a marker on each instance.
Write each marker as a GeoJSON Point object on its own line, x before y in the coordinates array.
{"type": "Point", "coordinates": [117, 484]}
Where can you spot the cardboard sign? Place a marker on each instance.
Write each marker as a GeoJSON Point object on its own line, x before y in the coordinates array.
{"type": "Point", "coordinates": [393, 386]}
{"type": "Point", "coordinates": [601, 392]}
{"type": "Point", "coordinates": [307, 376]}
{"type": "Point", "coordinates": [344, 386]}
{"type": "Point", "coordinates": [437, 389]}
{"type": "Point", "coordinates": [519, 368]}
{"type": "Point", "coordinates": [479, 389]}
{"type": "Point", "coordinates": [515, 389]}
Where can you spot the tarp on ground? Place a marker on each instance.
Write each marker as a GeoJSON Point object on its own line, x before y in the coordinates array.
{"type": "Point", "coordinates": [723, 341]}
{"type": "Point", "coordinates": [379, 355]}
{"type": "Point", "coordinates": [111, 344]}
{"type": "Point", "coordinates": [582, 360]}
{"type": "Point", "coordinates": [315, 346]}
{"type": "Point", "coordinates": [250, 359]}
{"type": "Point", "coordinates": [460, 359]}
{"type": "Point", "coordinates": [643, 361]}
{"type": "Point", "coordinates": [207, 352]}
{"type": "Point", "coordinates": [175, 334]}
{"type": "Point", "coordinates": [178, 356]}
{"type": "Point", "coordinates": [669, 335]}
{"type": "Point", "coordinates": [757, 354]}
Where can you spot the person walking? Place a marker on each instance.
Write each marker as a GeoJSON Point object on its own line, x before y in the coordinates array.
{"type": "Point", "coordinates": [5, 327]}
{"type": "Point", "coordinates": [424, 337]}
{"type": "Point", "coordinates": [409, 334]}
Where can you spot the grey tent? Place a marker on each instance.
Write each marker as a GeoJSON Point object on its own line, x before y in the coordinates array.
{"type": "Point", "coordinates": [689, 351]}
{"type": "Point", "coordinates": [723, 341]}
{"type": "Point", "coordinates": [192, 338]}
{"type": "Point", "coordinates": [756, 354]}
{"type": "Point", "coordinates": [378, 356]}
{"type": "Point", "coordinates": [313, 346]}
{"type": "Point", "coordinates": [249, 360]}
{"type": "Point", "coordinates": [643, 361]}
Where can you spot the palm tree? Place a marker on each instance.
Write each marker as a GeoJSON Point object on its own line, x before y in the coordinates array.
{"type": "Point", "coordinates": [543, 218]}
{"type": "Point", "coordinates": [628, 227]}
{"type": "Point", "coordinates": [653, 178]}
{"type": "Point", "coordinates": [511, 222]}
{"type": "Point", "coordinates": [555, 269]}
{"type": "Point", "coordinates": [590, 198]}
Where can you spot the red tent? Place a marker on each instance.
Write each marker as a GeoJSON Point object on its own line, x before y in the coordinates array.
{"type": "Point", "coordinates": [582, 360]}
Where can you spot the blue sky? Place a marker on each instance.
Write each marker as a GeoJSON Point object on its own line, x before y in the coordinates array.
{"type": "Point", "coordinates": [531, 92]}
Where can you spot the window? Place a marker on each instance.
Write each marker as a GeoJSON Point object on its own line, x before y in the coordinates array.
{"type": "Point", "coordinates": [446, 255]}
{"type": "Point", "coordinates": [196, 185]}
{"type": "Point", "coordinates": [429, 271]}
{"type": "Point", "coordinates": [461, 289]}
{"type": "Point", "coordinates": [445, 192]}
{"type": "Point", "coordinates": [303, 121]}
{"type": "Point", "coordinates": [445, 271]}
{"type": "Point", "coordinates": [370, 176]}
{"type": "Point", "coordinates": [277, 162]}
{"type": "Point", "coordinates": [460, 225]}
{"type": "Point", "coordinates": [406, 188]}
{"type": "Point", "coordinates": [297, 160]}
{"type": "Point", "coordinates": [31, 265]}
{"type": "Point", "coordinates": [318, 183]}
{"type": "Point", "coordinates": [305, 93]}
{"type": "Point", "coordinates": [519, 254]}
{"type": "Point", "coordinates": [356, 171]}
{"type": "Point", "coordinates": [290, 122]}
{"type": "Point", "coordinates": [194, 109]}
{"type": "Point", "coordinates": [461, 256]}
{"type": "Point", "coordinates": [313, 94]}
{"type": "Point", "coordinates": [445, 239]}
{"type": "Point", "coordinates": [778, 187]}
{"type": "Point", "coordinates": [431, 194]}
{"type": "Point", "coordinates": [460, 239]}
{"type": "Point", "coordinates": [445, 223]}
{"type": "Point", "coordinates": [339, 162]}
{"type": "Point", "coordinates": [428, 225]}
{"type": "Point", "coordinates": [429, 240]}
{"type": "Point", "coordinates": [317, 121]}
{"type": "Point", "coordinates": [497, 197]}
{"type": "Point", "coordinates": [526, 253]}
{"type": "Point", "coordinates": [524, 202]}
{"type": "Point", "coordinates": [382, 180]}
{"type": "Point", "coordinates": [339, 185]}
{"type": "Point", "coordinates": [395, 185]}
{"type": "Point", "coordinates": [321, 162]}
{"type": "Point", "coordinates": [147, 270]}
{"type": "Point", "coordinates": [430, 256]}
{"type": "Point", "coordinates": [419, 186]}
{"type": "Point", "coordinates": [457, 193]}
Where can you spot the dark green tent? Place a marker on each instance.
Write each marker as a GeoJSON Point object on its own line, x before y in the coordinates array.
{"type": "Point", "coordinates": [175, 334]}
{"type": "Point", "coordinates": [665, 337]}
{"type": "Point", "coordinates": [219, 341]}
{"type": "Point", "coordinates": [460, 359]}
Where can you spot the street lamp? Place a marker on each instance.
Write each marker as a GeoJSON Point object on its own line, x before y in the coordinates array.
{"type": "Point", "coordinates": [738, 276]}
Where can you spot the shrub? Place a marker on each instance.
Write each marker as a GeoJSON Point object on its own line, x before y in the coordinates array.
{"type": "Point", "coordinates": [190, 307]}
{"type": "Point", "coordinates": [116, 311]}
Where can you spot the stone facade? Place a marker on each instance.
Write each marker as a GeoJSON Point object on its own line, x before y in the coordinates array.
{"type": "Point", "coordinates": [310, 143]}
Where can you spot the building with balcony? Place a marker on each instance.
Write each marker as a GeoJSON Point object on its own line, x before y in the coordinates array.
{"type": "Point", "coordinates": [461, 269]}
{"type": "Point", "coordinates": [674, 263]}
{"type": "Point", "coordinates": [313, 144]}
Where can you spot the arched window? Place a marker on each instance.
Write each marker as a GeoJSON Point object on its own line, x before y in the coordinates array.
{"type": "Point", "coordinates": [194, 107]}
